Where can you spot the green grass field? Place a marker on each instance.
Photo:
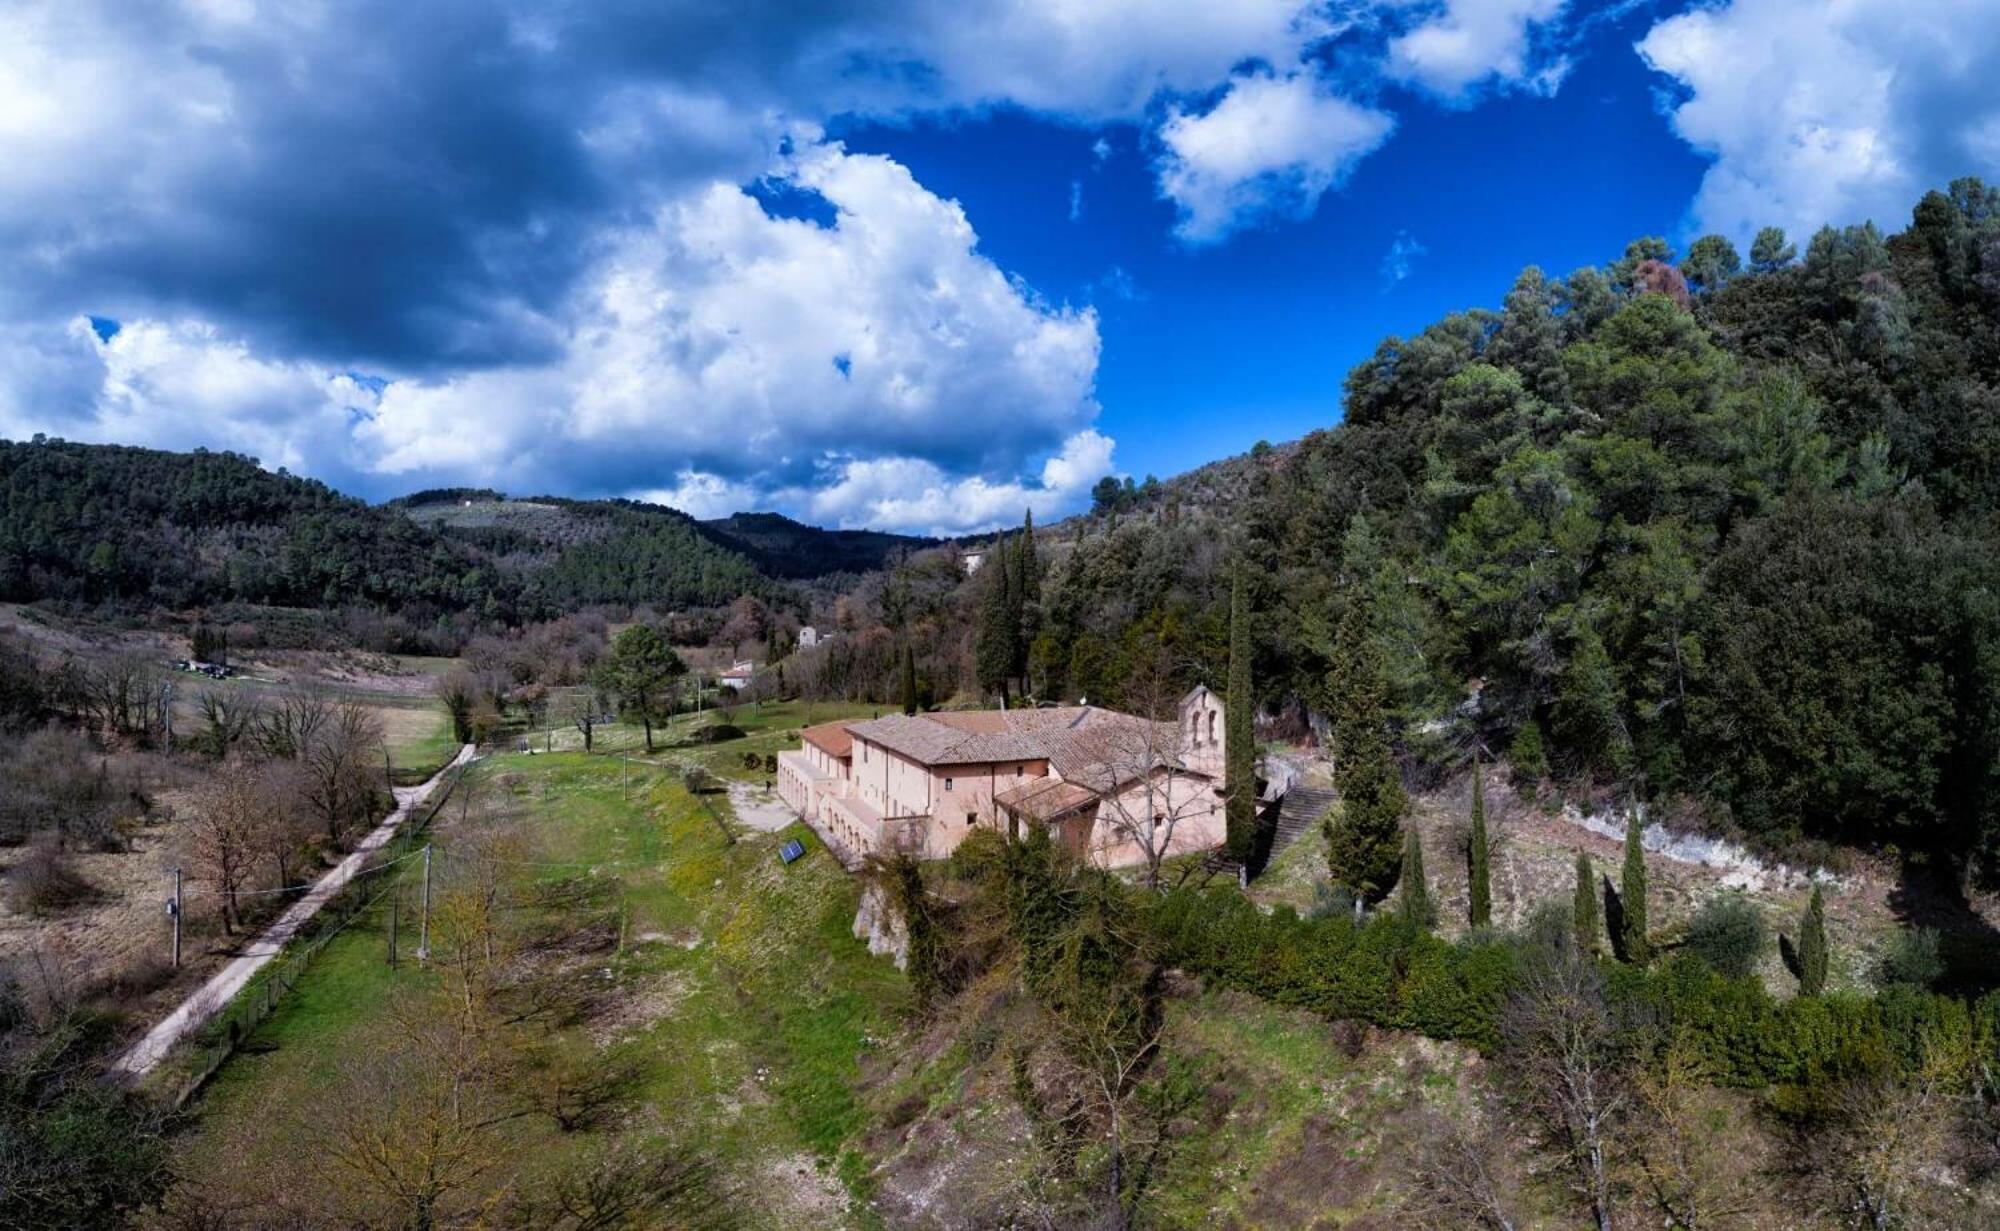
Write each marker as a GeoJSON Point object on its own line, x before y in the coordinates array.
{"type": "Point", "coordinates": [767, 729]}
{"type": "Point", "coordinates": [741, 999]}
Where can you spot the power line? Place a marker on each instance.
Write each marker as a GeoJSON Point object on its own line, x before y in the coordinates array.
{"type": "Point", "coordinates": [256, 893]}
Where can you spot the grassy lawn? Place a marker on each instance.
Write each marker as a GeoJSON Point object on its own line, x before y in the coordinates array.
{"type": "Point", "coordinates": [767, 729]}
{"type": "Point", "coordinates": [741, 999]}
{"type": "Point", "coordinates": [419, 741]}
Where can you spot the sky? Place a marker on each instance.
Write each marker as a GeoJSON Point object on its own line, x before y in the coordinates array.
{"type": "Point", "coordinates": [881, 263]}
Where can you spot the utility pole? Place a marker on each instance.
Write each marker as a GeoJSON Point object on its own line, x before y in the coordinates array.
{"type": "Point", "coordinates": [424, 927]}
{"type": "Point", "coordinates": [395, 903]}
{"type": "Point", "coordinates": [174, 909]}
{"type": "Point", "coordinates": [167, 713]}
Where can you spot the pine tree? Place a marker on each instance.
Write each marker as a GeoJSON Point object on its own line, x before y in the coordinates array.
{"type": "Point", "coordinates": [1812, 946]}
{"type": "Point", "coordinates": [1415, 906]}
{"type": "Point", "coordinates": [909, 679]}
{"type": "Point", "coordinates": [1632, 893]}
{"type": "Point", "coordinates": [1480, 874]}
{"type": "Point", "coordinates": [1240, 734]}
{"type": "Point", "coordinates": [1585, 905]}
{"type": "Point", "coordinates": [1363, 848]}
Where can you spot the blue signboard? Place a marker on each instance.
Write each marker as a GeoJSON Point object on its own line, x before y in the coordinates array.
{"type": "Point", "coordinates": [792, 850]}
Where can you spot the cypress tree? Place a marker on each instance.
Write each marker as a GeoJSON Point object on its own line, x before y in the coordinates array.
{"type": "Point", "coordinates": [1363, 848]}
{"type": "Point", "coordinates": [1480, 875]}
{"type": "Point", "coordinates": [1027, 599]}
{"type": "Point", "coordinates": [1240, 734]}
{"type": "Point", "coordinates": [1416, 900]}
{"type": "Point", "coordinates": [993, 642]}
{"type": "Point", "coordinates": [1585, 906]}
{"type": "Point", "coordinates": [1031, 575]}
{"type": "Point", "coordinates": [909, 679]}
{"type": "Point", "coordinates": [1632, 893]}
{"type": "Point", "coordinates": [1812, 946]}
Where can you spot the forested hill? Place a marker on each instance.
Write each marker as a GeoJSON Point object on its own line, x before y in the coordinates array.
{"type": "Point", "coordinates": [541, 532]}
{"type": "Point", "coordinates": [105, 523]}
{"type": "Point", "coordinates": [1687, 525]}
{"type": "Point", "coordinates": [782, 547]}
{"type": "Point", "coordinates": [138, 527]}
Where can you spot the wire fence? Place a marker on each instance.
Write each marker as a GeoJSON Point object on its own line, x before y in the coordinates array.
{"type": "Point", "coordinates": [212, 1046]}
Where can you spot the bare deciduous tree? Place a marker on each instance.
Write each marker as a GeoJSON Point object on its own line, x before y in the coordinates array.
{"type": "Point", "coordinates": [1463, 1178]}
{"type": "Point", "coordinates": [225, 835]}
{"type": "Point", "coordinates": [1146, 793]}
{"type": "Point", "coordinates": [292, 721]}
{"type": "Point", "coordinates": [229, 718]}
{"type": "Point", "coordinates": [1558, 1039]}
{"type": "Point", "coordinates": [1697, 1169]}
{"type": "Point", "coordinates": [340, 765]}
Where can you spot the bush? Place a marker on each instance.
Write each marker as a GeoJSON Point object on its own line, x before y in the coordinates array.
{"type": "Point", "coordinates": [1910, 959]}
{"type": "Point", "coordinates": [1728, 933]}
{"type": "Point", "coordinates": [45, 881]}
{"type": "Point", "coordinates": [718, 733]}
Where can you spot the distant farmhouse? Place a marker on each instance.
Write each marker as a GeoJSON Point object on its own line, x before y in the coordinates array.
{"type": "Point", "coordinates": [1110, 786]}
{"type": "Point", "coordinates": [971, 559]}
{"type": "Point", "coordinates": [808, 637]}
{"type": "Point", "coordinates": [739, 675]}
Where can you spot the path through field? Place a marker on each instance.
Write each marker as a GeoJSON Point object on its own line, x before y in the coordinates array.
{"type": "Point", "coordinates": [231, 979]}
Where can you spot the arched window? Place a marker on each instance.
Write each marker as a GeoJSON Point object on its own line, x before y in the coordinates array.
{"type": "Point", "coordinates": [1211, 726]}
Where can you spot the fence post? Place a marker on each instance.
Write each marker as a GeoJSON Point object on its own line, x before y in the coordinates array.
{"type": "Point", "coordinates": [175, 910]}
{"type": "Point", "coordinates": [424, 921]}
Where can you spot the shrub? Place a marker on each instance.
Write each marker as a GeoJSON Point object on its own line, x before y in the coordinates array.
{"type": "Point", "coordinates": [45, 881]}
{"type": "Point", "coordinates": [718, 733]}
{"type": "Point", "coordinates": [1728, 933]}
{"type": "Point", "coordinates": [1910, 959]}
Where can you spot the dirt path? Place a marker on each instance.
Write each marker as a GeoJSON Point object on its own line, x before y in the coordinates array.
{"type": "Point", "coordinates": [231, 979]}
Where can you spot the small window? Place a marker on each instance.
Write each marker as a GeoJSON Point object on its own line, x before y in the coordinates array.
{"type": "Point", "coordinates": [947, 784]}
{"type": "Point", "coordinates": [970, 818]}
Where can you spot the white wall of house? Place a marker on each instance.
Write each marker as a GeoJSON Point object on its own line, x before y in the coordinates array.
{"type": "Point", "coordinates": [1116, 839]}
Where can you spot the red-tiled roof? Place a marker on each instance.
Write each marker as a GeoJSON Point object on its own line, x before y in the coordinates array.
{"type": "Point", "coordinates": [830, 737]}
{"type": "Point", "coordinates": [1045, 799]}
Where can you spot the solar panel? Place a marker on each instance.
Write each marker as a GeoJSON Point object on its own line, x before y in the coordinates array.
{"type": "Point", "coordinates": [792, 850]}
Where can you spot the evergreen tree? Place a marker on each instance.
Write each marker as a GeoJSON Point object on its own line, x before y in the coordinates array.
{"type": "Point", "coordinates": [1240, 733]}
{"type": "Point", "coordinates": [1632, 893]}
{"type": "Point", "coordinates": [909, 679]}
{"type": "Point", "coordinates": [1812, 946]}
{"type": "Point", "coordinates": [1363, 848]}
{"type": "Point", "coordinates": [1480, 874]}
{"type": "Point", "coordinates": [993, 641]}
{"type": "Point", "coordinates": [1584, 907]}
{"type": "Point", "coordinates": [1770, 251]}
{"type": "Point", "coordinates": [1415, 906]}
{"type": "Point", "coordinates": [1027, 599]}
{"type": "Point", "coordinates": [1711, 261]}
{"type": "Point", "coordinates": [641, 669]}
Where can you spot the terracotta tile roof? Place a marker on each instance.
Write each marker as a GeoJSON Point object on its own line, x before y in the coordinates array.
{"type": "Point", "coordinates": [830, 737]}
{"type": "Point", "coordinates": [1095, 747]}
{"type": "Point", "coordinates": [1045, 798]}
{"type": "Point", "coordinates": [929, 742]}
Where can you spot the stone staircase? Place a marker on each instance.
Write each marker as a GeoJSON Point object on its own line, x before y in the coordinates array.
{"type": "Point", "coordinates": [1299, 814]}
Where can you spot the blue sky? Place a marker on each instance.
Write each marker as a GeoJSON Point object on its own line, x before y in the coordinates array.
{"type": "Point", "coordinates": [880, 263]}
{"type": "Point", "coordinates": [1213, 348]}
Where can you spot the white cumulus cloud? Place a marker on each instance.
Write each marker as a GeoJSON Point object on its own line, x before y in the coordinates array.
{"type": "Point", "coordinates": [1468, 43]}
{"type": "Point", "coordinates": [1269, 149]}
{"type": "Point", "coordinates": [1840, 112]}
